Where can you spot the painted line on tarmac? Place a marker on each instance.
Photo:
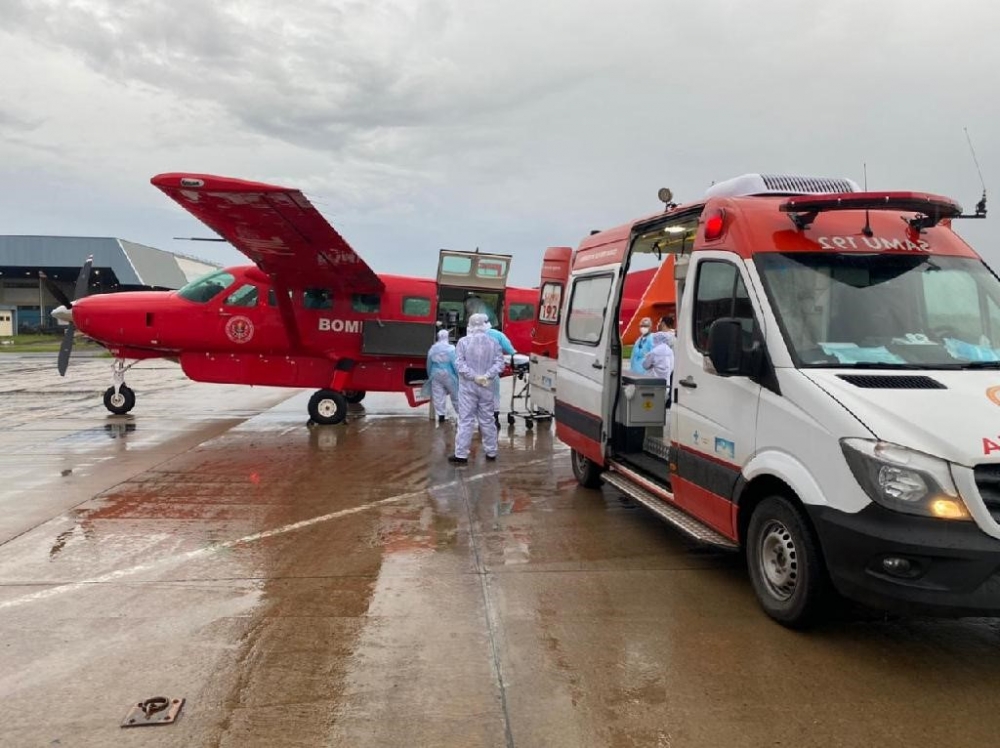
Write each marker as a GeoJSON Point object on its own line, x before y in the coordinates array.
{"type": "Point", "coordinates": [114, 576]}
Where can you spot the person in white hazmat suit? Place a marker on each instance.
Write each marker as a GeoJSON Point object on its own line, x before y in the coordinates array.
{"type": "Point", "coordinates": [659, 362]}
{"type": "Point", "coordinates": [479, 361]}
{"type": "Point", "coordinates": [442, 375]}
{"type": "Point", "coordinates": [508, 348]}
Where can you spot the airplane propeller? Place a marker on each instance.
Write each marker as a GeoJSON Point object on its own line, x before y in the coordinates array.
{"type": "Point", "coordinates": [64, 312]}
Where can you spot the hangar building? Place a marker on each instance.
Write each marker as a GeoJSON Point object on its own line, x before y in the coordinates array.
{"type": "Point", "coordinates": [119, 265]}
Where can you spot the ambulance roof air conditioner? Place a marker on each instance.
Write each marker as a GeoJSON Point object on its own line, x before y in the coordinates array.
{"type": "Point", "coordinates": [779, 184]}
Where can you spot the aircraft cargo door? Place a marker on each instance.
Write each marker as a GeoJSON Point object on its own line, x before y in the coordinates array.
{"type": "Point", "coordinates": [470, 282]}
{"type": "Point", "coordinates": [585, 338]}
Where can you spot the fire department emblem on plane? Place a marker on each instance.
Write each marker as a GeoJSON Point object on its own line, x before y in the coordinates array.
{"type": "Point", "coordinates": [239, 329]}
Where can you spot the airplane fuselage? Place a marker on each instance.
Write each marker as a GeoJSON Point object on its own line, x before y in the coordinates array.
{"type": "Point", "coordinates": [235, 327]}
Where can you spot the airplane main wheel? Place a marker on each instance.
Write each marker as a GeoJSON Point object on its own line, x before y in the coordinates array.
{"type": "Point", "coordinates": [327, 407]}
{"type": "Point", "coordinates": [354, 396]}
{"type": "Point", "coordinates": [119, 402]}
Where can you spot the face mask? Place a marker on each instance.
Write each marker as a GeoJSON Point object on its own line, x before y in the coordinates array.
{"type": "Point", "coordinates": [644, 330]}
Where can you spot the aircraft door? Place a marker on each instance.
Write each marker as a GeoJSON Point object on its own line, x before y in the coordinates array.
{"type": "Point", "coordinates": [713, 418]}
{"type": "Point", "coordinates": [247, 322]}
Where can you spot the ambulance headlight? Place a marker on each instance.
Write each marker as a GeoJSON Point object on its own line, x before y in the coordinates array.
{"type": "Point", "coordinates": [904, 480]}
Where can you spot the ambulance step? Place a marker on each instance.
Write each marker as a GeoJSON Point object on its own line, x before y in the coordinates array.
{"type": "Point", "coordinates": [681, 520]}
{"type": "Point", "coordinates": [657, 446]}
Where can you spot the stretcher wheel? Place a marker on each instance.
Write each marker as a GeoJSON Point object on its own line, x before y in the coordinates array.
{"type": "Point", "coordinates": [510, 419]}
{"type": "Point", "coordinates": [529, 424]}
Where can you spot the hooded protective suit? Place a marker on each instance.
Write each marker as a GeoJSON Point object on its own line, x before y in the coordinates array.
{"type": "Point", "coordinates": [659, 362]}
{"type": "Point", "coordinates": [442, 374]}
{"type": "Point", "coordinates": [479, 361]}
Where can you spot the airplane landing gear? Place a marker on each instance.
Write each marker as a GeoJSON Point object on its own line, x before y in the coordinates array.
{"type": "Point", "coordinates": [354, 396]}
{"type": "Point", "coordinates": [119, 398]}
{"type": "Point", "coordinates": [119, 401]}
{"type": "Point", "coordinates": [327, 407]}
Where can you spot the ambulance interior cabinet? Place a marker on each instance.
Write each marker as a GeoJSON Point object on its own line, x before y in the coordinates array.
{"type": "Point", "coordinates": [643, 401]}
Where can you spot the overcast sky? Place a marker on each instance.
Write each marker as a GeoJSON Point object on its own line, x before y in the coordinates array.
{"type": "Point", "coordinates": [510, 126]}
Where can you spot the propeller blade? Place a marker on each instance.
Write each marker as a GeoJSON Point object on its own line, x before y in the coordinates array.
{"type": "Point", "coordinates": [66, 348]}
{"type": "Point", "coordinates": [83, 279]}
{"type": "Point", "coordinates": [53, 289]}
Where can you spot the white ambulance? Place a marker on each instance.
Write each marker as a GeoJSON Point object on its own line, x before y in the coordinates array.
{"type": "Point", "coordinates": [835, 403]}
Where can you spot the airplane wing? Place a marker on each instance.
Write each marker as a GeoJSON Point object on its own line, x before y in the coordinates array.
{"type": "Point", "coordinates": [276, 227]}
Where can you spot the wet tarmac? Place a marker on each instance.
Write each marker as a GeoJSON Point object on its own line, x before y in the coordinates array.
{"type": "Point", "coordinates": [346, 586]}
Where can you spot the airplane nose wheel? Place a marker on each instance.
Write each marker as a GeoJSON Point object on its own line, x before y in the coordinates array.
{"type": "Point", "coordinates": [327, 407]}
{"type": "Point", "coordinates": [119, 401]}
{"type": "Point", "coordinates": [119, 398]}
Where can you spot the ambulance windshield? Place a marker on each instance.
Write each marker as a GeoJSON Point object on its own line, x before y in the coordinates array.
{"type": "Point", "coordinates": [884, 311]}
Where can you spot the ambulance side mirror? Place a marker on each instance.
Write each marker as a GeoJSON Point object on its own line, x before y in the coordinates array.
{"type": "Point", "coordinates": [725, 347]}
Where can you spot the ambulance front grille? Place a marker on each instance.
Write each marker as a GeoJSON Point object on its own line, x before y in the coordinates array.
{"type": "Point", "coordinates": [988, 483]}
{"type": "Point", "coordinates": [809, 185]}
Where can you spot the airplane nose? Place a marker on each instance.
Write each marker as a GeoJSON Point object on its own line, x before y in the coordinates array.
{"type": "Point", "coordinates": [63, 314]}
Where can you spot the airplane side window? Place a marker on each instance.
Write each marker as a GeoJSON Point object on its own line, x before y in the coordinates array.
{"type": "Point", "coordinates": [521, 312]}
{"type": "Point", "coordinates": [416, 306]}
{"type": "Point", "coordinates": [245, 295]}
{"type": "Point", "coordinates": [317, 298]}
{"type": "Point", "coordinates": [366, 302]}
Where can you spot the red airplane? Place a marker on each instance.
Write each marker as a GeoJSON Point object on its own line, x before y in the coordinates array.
{"type": "Point", "coordinates": [308, 313]}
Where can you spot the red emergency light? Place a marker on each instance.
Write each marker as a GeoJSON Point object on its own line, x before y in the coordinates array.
{"type": "Point", "coordinates": [715, 224]}
{"type": "Point", "coordinates": [803, 209]}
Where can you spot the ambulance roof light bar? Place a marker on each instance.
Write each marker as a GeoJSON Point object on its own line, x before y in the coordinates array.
{"type": "Point", "coordinates": [930, 209]}
{"type": "Point", "coordinates": [779, 184]}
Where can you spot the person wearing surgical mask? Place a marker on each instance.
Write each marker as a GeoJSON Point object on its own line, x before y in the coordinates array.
{"type": "Point", "coordinates": [642, 346]}
{"type": "Point", "coordinates": [479, 361]}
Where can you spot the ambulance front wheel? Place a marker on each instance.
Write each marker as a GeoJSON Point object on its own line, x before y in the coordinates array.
{"type": "Point", "coordinates": [354, 396]}
{"type": "Point", "coordinates": [785, 563]}
{"type": "Point", "coordinates": [119, 401]}
{"type": "Point", "coordinates": [585, 470]}
{"type": "Point", "coordinates": [327, 407]}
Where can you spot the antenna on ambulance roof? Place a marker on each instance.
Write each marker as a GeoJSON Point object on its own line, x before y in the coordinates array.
{"type": "Point", "coordinates": [867, 230]}
{"type": "Point", "coordinates": [981, 205]}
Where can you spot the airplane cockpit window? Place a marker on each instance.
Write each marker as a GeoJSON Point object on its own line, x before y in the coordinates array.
{"type": "Point", "coordinates": [207, 287]}
{"type": "Point", "coordinates": [317, 298]}
{"type": "Point", "coordinates": [245, 295]}
{"type": "Point", "coordinates": [366, 302]}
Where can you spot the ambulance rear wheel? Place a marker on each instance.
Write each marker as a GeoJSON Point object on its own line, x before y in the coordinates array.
{"type": "Point", "coordinates": [585, 470]}
{"type": "Point", "coordinates": [354, 396]}
{"type": "Point", "coordinates": [119, 401]}
{"type": "Point", "coordinates": [327, 407]}
{"type": "Point", "coordinates": [785, 562]}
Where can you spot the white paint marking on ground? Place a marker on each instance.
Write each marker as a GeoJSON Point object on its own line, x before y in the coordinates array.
{"type": "Point", "coordinates": [191, 555]}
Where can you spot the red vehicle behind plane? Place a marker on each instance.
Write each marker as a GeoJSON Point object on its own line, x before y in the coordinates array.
{"type": "Point", "coordinates": [308, 313]}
